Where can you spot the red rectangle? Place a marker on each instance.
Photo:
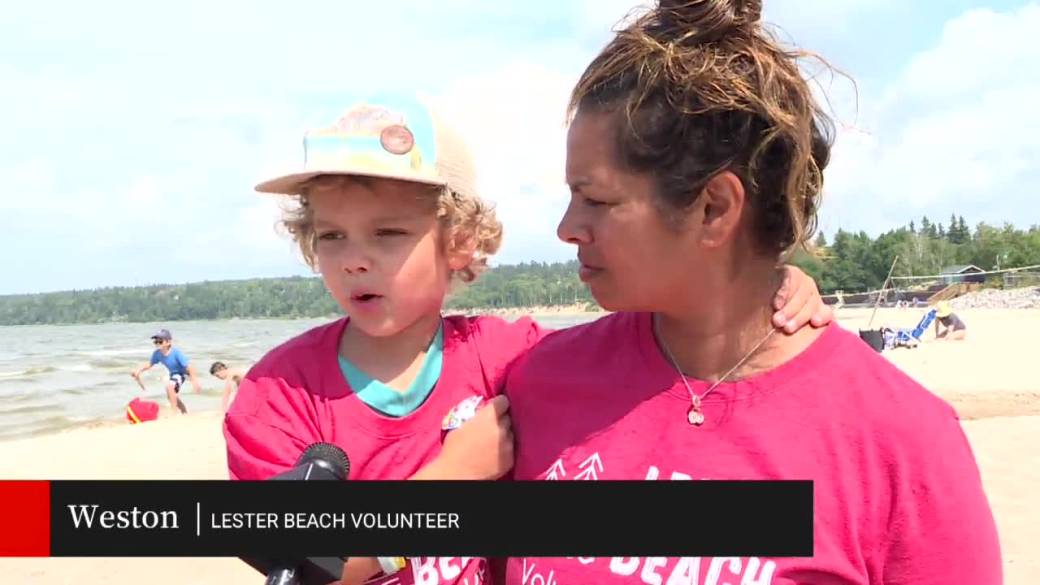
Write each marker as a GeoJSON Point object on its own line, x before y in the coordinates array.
{"type": "Point", "coordinates": [25, 519]}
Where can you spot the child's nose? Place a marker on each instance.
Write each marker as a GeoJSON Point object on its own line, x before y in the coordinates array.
{"type": "Point", "coordinates": [355, 261]}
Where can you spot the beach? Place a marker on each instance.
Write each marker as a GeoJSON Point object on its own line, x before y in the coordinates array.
{"type": "Point", "coordinates": [990, 378]}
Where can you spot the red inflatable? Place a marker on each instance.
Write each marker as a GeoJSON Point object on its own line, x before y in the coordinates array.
{"type": "Point", "coordinates": [139, 411]}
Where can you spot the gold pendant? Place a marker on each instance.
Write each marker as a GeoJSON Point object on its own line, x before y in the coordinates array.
{"type": "Point", "coordinates": [695, 416]}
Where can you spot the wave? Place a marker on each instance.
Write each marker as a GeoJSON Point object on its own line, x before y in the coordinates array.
{"type": "Point", "coordinates": [104, 364]}
{"type": "Point", "coordinates": [56, 424]}
{"type": "Point", "coordinates": [84, 390]}
{"type": "Point", "coordinates": [32, 409]}
{"type": "Point", "coordinates": [16, 395]}
{"type": "Point", "coordinates": [116, 352]}
{"type": "Point", "coordinates": [40, 426]}
{"type": "Point", "coordinates": [29, 372]}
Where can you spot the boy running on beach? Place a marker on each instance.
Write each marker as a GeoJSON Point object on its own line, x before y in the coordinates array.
{"type": "Point", "coordinates": [231, 377]}
{"type": "Point", "coordinates": [388, 213]}
{"type": "Point", "coordinates": [177, 364]}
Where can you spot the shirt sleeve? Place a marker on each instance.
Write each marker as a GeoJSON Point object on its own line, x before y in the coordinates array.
{"type": "Point", "coordinates": [155, 357]}
{"type": "Point", "coordinates": [503, 343]}
{"type": "Point", "coordinates": [267, 428]}
{"type": "Point", "coordinates": [942, 529]}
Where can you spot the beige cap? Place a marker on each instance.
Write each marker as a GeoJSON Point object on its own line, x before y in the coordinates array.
{"type": "Point", "coordinates": [393, 136]}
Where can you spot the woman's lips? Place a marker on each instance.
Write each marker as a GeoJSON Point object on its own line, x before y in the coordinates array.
{"type": "Point", "coordinates": [586, 272]}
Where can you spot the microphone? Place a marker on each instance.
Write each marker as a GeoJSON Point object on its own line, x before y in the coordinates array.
{"type": "Point", "coordinates": [319, 462]}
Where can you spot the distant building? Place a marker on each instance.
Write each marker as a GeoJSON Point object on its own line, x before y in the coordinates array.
{"type": "Point", "coordinates": [962, 273]}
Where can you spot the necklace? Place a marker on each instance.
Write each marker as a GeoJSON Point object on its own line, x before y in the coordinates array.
{"type": "Point", "coordinates": [695, 415]}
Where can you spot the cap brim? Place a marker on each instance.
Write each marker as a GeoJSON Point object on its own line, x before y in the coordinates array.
{"type": "Point", "coordinates": [292, 184]}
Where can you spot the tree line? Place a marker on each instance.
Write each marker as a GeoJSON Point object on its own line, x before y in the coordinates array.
{"type": "Point", "coordinates": [522, 285]}
{"type": "Point", "coordinates": [852, 262]}
{"type": "Point", "coordinates": [856, 262]}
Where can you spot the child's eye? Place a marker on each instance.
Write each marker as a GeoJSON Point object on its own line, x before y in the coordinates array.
{"type": "Point", "coordinates": [327, 236]}
{"type": "Point", "coordinates": [390, 232]}
{"type": "Point", "coordinates": [594, 202]}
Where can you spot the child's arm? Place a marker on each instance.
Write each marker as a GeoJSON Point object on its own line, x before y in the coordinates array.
{"type": "Point", "coordinates": [136, 374]}
{"type": "Point", "coordinates": [227, 394]}
{"type": "Point", "coordinates": [194, 379]}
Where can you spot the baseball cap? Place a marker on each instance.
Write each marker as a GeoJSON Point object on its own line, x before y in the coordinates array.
{"type": "Point", "coordinates": [163, 334]}
{"type": "Point", "coordinates": [392, 136]}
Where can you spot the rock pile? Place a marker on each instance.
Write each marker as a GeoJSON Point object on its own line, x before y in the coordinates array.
{"type": "Point", "coordinates": [1016, 298]}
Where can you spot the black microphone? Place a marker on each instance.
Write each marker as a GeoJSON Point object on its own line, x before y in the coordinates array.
{"type": "Point", "coordinates": [319, 461]}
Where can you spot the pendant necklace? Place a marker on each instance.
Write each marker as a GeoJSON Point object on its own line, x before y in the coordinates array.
{"type": "Point", "coordinates": [695, 415]}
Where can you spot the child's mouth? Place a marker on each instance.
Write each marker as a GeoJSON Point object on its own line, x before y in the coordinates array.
{"type": "Point", "coordinates": [364, 298]}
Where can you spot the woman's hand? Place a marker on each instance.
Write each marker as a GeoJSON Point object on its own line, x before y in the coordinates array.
{"type": "Point", "coordinates": [482, 448]}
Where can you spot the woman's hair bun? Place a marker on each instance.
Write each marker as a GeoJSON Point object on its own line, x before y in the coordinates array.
{"type": "Point", "coordinates": [707, 20]}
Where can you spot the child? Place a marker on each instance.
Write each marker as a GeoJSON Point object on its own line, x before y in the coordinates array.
{"type": "Point", "coordinates": [231, 377]}
{"type": "Point", "coordinates": [388, 213]}
{"type": "Point", "coordinates": [953, 328]}
{"type": "Point", "coordinates": [177, 364]}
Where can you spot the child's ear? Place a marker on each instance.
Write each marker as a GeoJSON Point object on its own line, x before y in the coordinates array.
{"type": "Point", "coordinates": [461, 250]}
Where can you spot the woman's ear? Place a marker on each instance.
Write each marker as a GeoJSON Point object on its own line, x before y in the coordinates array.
{"type": "Point", "coordinates": [722, 203]}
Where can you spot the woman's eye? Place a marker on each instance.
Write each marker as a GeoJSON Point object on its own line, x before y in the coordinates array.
{"type": "Point", "coordinates": [390, 232]}
{"type": "Point", "coordinates": [327, 236]}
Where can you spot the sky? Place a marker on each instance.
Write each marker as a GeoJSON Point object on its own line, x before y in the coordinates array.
{"type": "Point", "coordinates": [133, 132]}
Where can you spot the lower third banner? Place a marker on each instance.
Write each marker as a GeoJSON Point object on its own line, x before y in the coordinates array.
{"type": "Point", "coordinates": [410, 518]}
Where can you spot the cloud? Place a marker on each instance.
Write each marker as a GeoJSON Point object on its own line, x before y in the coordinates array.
{"type": "Point", "coordinates": [513, 119]}
{"type": "Point", "coordinates": [979, 51]}
{"type": "Point", "coordinates": [954, 133]}
{"type": "Point", "coordinates": [121, 123]}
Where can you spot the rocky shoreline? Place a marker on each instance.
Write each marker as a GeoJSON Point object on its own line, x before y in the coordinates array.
{"type": "Point", "coordinates": [1018, 298]}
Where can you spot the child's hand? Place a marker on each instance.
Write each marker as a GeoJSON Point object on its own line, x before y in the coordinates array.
{"type": "Point", "coordinates": [798, 302]}
{"type": "Point", "coordinates": [482, 448]}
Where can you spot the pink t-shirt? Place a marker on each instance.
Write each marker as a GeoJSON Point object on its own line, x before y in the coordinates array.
{"type": "Point", "coordinates": [297, 395]}
{"type": "Point", "coordinates": [898, 496]}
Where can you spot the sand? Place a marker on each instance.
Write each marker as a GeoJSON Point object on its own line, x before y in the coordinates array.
{"type": "Point", "coordinates": [176, 447]}
{"type": "Point", "coordinates": [990, 378]}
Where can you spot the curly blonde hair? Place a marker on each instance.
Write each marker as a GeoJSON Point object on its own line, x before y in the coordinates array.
{"type": "Point", "coordinates": [466, 222]}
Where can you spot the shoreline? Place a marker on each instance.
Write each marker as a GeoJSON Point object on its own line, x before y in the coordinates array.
{"type": "Point", "coordinates": [113, 414]}
{"type": "Point", "coordinates": [1007, 395]}
{"type": "Point", "coordinates": [572, 309]}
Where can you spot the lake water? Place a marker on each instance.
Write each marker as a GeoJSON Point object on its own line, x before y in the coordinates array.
{"type": "Point", "coordinates": [53, 377]}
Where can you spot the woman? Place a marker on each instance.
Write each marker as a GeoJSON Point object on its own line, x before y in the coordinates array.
{"type": "Point", "coordinates": [695, 159]}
